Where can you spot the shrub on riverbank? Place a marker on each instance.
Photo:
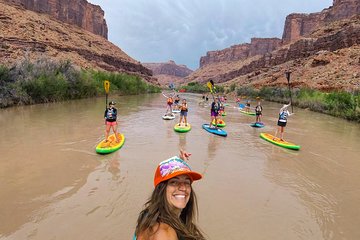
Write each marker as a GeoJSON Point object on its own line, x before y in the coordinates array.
{"type": "Point", "coordinates": [196, 87]}
{"type": "Point", "coordinates": [337, 103]}
{"type": "Point", "coordinates": [49, 81]}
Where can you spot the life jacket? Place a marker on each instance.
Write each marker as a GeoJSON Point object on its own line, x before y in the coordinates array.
{"type": "Point", "coordinates": [170, 100]}
{"type": "Point", "coordinates": [111, 114]}
{"type": "Point", "coordinates": [258, 109]}
{"type": "Point", "coordinates": [283, 116]}
{"type": "Point", "coordinates": [184, 107]}
{"type": "Point", "coordinates": [215, 107]}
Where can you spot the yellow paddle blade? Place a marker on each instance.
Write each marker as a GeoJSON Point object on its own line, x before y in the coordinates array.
{"type": "Point", "coordinates": [209, 85]}
{"type": "Point", "coordinates": [107, 86]}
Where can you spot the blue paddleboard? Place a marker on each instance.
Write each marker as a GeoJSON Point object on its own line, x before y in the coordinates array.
{"type": "Point", "coordinates": [258, 124]}
{"type": "Point", "coordinates": [218, 131]}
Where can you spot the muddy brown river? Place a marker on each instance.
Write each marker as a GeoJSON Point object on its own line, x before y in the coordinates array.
{"type": "Point", "coordinates": [54, 186]}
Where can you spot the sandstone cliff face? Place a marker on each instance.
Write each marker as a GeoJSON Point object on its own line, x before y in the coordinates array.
{"type": "Point", "coordinates": [258, 46]}
{"type": "Point", "coordinates": [328, 59]}
{"type": "Point", "coordinates": [168, 72]}
{"type": "Point", "coordinates": [24, 32]}
{"type": "Point", "coordinates": [302, 25]}
{"type": "Point", "coordinates": [78, 12]}
{"type": "Point", "coordinates": [335, 31]}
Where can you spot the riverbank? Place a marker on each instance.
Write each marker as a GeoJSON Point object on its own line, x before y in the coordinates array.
{"type": "Point", "coordinates": [45, 81]}
{"type": "Point", "coordinates": [335, 103]}
{"type": "Point", "coordinates": [340, 104]}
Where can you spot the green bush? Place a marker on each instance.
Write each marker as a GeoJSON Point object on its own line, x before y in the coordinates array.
{"type": "Point", "coordinates": [45, 80]}
{"type": "Point", "coordinates": [340, 103]}
{"type": "Point", "coordinates": [195, 87]}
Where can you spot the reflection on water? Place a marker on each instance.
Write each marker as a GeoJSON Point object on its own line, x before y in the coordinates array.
{"type": "Point", "coordinates": [53, 185]}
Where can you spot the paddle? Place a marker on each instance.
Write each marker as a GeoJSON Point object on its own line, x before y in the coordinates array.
{"type": "Point", "coordinates": [212, 88]}
{"type": "Point", "coordinates": [107, 88]}
{"type": "Point", "coordinates": [287, 73]}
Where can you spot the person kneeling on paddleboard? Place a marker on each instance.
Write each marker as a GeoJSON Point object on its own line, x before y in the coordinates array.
{"type": "Point", "coordinates": [110, 116]}
{"type": "Point", "coordinates": [214, 112]}
{"type": "Point", "coordinates": [283, 115]}
{"type": "Point", "coordinates": [183, 112]}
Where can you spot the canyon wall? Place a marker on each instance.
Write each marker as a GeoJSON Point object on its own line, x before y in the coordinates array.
{"type": "Point", "coordinates": [258, 46]}
{"type": "Point", "coordinates": [302, 25]}
{"type": "Point", "coordinates": [77, 12]}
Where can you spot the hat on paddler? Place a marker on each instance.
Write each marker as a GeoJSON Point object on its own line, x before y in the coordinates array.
{"type": "Point", "coordinates": [173, 167]}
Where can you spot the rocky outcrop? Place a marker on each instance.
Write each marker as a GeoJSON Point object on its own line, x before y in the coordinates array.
{"type": "Point", "coordinates": [169, 68]}
{"type": "Point", "coordinates": [302, 25]}
{"type": "Point", "coordinates": [168, 72]}
{"type": "Point", "coordinates": [301, 54]}
{"type": "Point", "coordinates": [335, 31]}
{"type": "Point", "coordinates": [258, 46]}
{"type": "Point", "coordinates": [24, 32]}
{"type": "Point", "coordinates": [78, 12]}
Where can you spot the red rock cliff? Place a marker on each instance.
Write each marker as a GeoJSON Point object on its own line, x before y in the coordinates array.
{"type": "Point", "coordinates": [302, 25]}
{"type": "Point", "coordinates": [258, 46]}
{"type": "Point", "coordinates": [169, 68]}
{"type": "Point", "coordinates": [78, 12]}
{"type": "Point", "coordinates": [169, 72]}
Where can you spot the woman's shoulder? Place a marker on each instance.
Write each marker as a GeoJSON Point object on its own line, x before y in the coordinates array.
{"type": "Point", "coordinates": [166, 231]}
{"type": "Point", "coordinates": [162, 232]}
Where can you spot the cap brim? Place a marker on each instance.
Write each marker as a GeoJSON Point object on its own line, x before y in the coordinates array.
{"type": "Point", "coordinates": [194, 176]}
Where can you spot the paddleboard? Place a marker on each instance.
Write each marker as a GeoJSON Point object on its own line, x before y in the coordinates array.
{"type": "Point", "coordinates": [270, 138]}
{"type": "Point", "coordinates": [111, 145]}
{"type": "Point", "coordinates": [175, 111]}
{"type": "Point", "coordinates": [226, 104]}
{"type": "Point", "coordinates": [247, 113]}
{"type": "Point", "coordinates": [220, 123]}
{"type": "Point", "coordinates": [215, 131]}
{"type": "Point", "coordinates": [182, 128]}
{"type": "Point", "coordinates": [258, 124]}
{"type": "Point", "coordinates": [168, 117]}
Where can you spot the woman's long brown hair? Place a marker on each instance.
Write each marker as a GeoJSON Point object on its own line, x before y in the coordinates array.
{"type": "Point", "coordinates": [157, 210]}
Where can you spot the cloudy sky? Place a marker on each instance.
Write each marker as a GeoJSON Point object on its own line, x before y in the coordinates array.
{"type": "Point", "coordinates": [184, 30]}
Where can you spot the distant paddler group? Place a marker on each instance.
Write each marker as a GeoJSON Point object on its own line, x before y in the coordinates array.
{"type": "Point", "coordinates": [217, 110]}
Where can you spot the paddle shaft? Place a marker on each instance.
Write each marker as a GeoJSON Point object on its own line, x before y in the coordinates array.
{"type": "Point", "coordinates": [288, 79]}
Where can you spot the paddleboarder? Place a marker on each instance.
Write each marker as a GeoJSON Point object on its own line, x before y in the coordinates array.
{"type": "Point", "coordinates": [258, 111]}
{"type": "Point", "coordinates": [110, 116]}
{"type": "Point", "coordinates": [169, 102]}
{"type": "Point", "coordinates": [183, 112]}
{"type": "Point", "coordinates": [214, 112]}
{"type": "Point", "coordinates": [283, 115]}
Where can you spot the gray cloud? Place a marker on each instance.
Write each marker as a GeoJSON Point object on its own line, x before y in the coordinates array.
{"type": "Point", "coordinates": [184, 30]}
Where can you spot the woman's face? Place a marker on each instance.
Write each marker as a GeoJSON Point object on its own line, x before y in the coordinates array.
{"type": "Point", "coordinates": [178, 192]}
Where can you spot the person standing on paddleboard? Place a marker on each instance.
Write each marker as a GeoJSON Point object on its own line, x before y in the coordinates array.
{"type": "Point", "coordinates": [176, 102]}
{"type": "Point", "coordinates": [170, 212]}
{"type": "Point", "coordinates": [110, 116]}
{"type": "Point", "coordinates": [214, 112]}
{"type": "Point", "coordinates": [283, 115]}
{"type": "Point", "coordinates": [258, 111]}
{"type": "Point", "coordinates": [169, 103]}
{"type": "Point", "coordinates": [247, 106]}
{"type": "Point", "coordinates": [183, 112]}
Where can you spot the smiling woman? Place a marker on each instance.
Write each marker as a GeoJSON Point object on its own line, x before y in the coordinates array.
{"type": "Point", "coordinates": [170, 212]}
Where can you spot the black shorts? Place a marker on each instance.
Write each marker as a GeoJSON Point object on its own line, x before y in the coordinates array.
{"type": "Point", "coordinates": [281, 124]}
{"type": "Point", "coordinates": [258, 113]}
